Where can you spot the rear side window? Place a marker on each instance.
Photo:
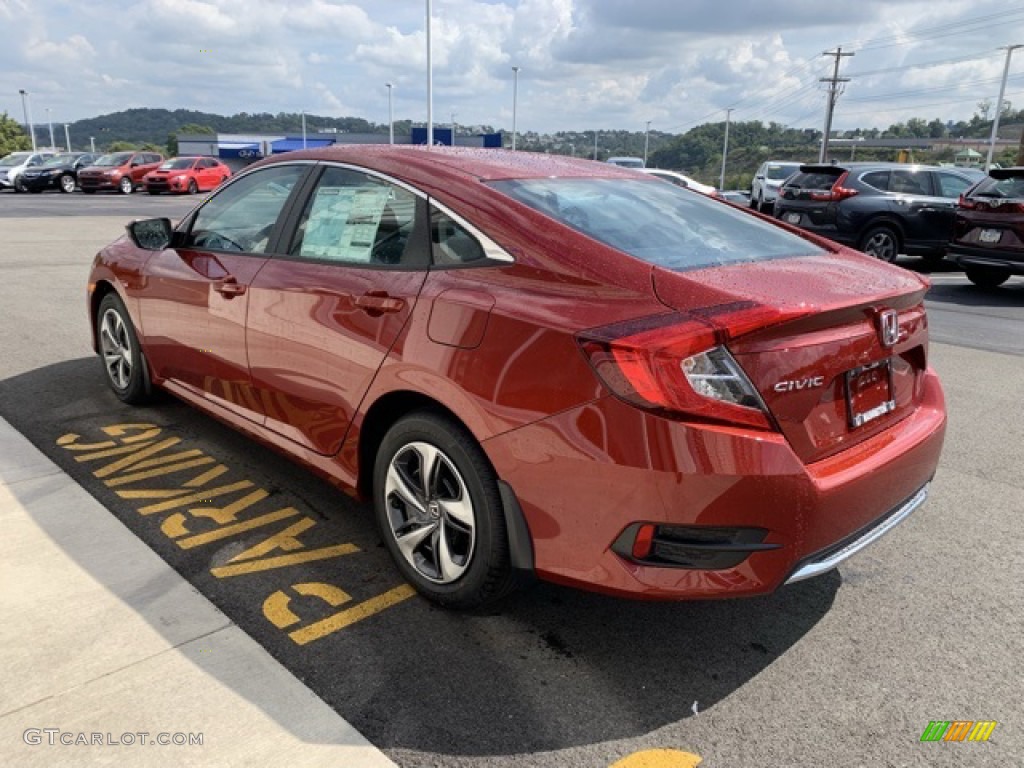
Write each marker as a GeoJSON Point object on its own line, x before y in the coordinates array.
{"type": "Point", "coordinates": [877, 180]}
{"type": "Point", "coordinates": [354, 218]}
{"type": "Point", "coordinates": [451, 243]}
{"type": "Point", "coordinates": [950, 185]}
{"type": "Point", "coordinates": [657, 223]}
{"type": "Point", "coordinates": [779, 171]}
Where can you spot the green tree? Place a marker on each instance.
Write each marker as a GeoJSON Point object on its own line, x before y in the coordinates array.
{"type": "Point", "coordinates": [12, 136]}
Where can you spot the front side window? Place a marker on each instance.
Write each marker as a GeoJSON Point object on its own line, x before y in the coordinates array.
{"type": "Point", "coordinates": [355, 218]}
{"type": "Point", "coordinates": [658, 223]}
{"type": "Point", "coordinates": [243, 215]}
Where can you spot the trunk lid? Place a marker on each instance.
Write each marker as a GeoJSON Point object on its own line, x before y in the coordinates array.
{"type": "Point", "coordinates": [810, 334]}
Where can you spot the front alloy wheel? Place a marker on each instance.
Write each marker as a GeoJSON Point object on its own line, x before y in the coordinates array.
{"type": "Point", "coordinates": [67, 183]}
{"type": "Point", "coordinates": [440, 513]}
{"type": "Point", "coordinates": [126, 185]}
{"type": "Point", "coordinates": [119, 347]}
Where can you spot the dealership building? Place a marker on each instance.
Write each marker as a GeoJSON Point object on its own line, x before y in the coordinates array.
{"type": "Point", "coordinates": [238, 150]}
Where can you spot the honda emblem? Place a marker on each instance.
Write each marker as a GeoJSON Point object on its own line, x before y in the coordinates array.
{"type": "Point", "coordinates": [889, 327]}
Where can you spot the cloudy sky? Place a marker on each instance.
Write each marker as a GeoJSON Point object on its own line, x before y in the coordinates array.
{"type": "Point", "coordinates": [584, 63]}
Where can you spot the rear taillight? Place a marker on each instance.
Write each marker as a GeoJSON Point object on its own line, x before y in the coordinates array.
{"type": "Point", "coordinates": [674, 365]}
{"type": "Point", "coordinates": [837, 192]}
{"type": "Point", "coordinates": [966, 203]}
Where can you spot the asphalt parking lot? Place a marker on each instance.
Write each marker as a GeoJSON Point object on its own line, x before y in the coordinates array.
{"type": "Point", "coordinates": [845, 669]}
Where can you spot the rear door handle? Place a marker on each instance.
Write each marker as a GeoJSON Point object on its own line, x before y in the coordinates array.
{"type": "Point", "coordinates": [229, 287]}
{"type": "Point", "coordinates": [379, 302]}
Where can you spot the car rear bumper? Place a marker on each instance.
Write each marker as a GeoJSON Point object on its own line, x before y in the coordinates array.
{"type": "Point", "coordinates": [584, 476]}
{"type": "Point", "coordinates": [968, 256]}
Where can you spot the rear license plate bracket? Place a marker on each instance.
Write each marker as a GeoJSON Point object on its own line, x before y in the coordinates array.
{"type": "Point", "coordinates": [869, 392]}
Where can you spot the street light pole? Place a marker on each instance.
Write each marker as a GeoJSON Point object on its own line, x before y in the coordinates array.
{"type": "Point", "coordinates": [647, 141]}
{"type": "Point", "coordinates": [67, 137]}
{"type": "Point", "coordinates": [92, 144]}
{"type": "Point", "coordinates": [515, 103]}
{"type": "Point", "coordinates": [391, 114]}
{"type": "Point", "coordinates": [595, 144]}
{"type": "Point", "coordinates": [430, 85]}
{"type": "Point", "coordinates": [303, 129]}
{"type": "Point", "coordinates": [725, 149]}
{"type": "Point", "coordinates": [28, 117]}
{"type": "Point", "coordinates": [453, 129]}
{"type": "Point", "coordinates": [999, 106]}
{"type": "Point", "coordinates": [49, 119]}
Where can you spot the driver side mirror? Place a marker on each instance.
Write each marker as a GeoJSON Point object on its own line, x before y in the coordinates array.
{"type": "Point", "coordinates": [150, 234]}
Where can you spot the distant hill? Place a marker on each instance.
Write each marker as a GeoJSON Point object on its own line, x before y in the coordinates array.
{"type": "Point", "coordinates": [153, 126]}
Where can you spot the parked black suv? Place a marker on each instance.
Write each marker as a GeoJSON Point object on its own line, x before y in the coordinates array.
{"type": "Point", "coordinates": [884, 209]}
{"type": "Point", "coordinates": [60, 172]}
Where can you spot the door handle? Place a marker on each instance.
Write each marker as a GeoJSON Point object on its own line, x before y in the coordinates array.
{"type": "Point", "coordinates": [229, 287]}
{"type": "Point", "coordinates": [379, 302]}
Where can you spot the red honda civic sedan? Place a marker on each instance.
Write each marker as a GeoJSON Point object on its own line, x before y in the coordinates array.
{"type": "Point", "coordinates": [540, 365]}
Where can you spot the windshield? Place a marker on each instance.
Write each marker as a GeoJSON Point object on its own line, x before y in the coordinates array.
{"type": "Point", "coordinates": [118, 158]}
{"type": "Point", "coordinates": [59, 160]}
{"type": "Point", "coordinates": [177, 164]}
{"type": "Point", "coordinates": [627, 162]}
{"type": "Point", "coordinates": [781, 171]}
{"type": "Point", "coordinates": [659, 223]}
{"type": "Point", "coordinates": [15, 158]}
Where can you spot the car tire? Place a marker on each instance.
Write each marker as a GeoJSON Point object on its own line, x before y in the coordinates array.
{"type": "Point", "coordinates": [192, 186]}
{"type": "Point", "coordinates": [754, 204]}
{"type": "Point", "coordinates": [454, 543]}
{"type": "Point", "coordinates": [88, 191]}
{"type": "Point", "coordinates": [126, 185]}
{"type": "Point", "coordinates": [120, 353]}
{"type": "Point", "coordinates": [19, 185]}
{"type": "Point", "coordinates": [987, 278]}
{"type": "Point", "coordinates": [882, 242]}
{"type": "Point", "coordinates": [67, 183]}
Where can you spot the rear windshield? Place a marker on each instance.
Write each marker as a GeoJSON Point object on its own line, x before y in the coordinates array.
{"type": "Point", "coordinates": [659, 223]}
{"type": "Point", "coordinates": [813, 180]}
{"type": "Point", "coordinates": [1002, 188]}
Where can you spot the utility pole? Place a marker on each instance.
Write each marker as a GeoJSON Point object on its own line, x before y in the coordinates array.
{"type": "Point", "coordinates": [595, 145]}
{"type": "Point", "coordinates": [725, 149]}
{"type": "Point", "coordinates": [834, 90]}
{"type": "Point", "coordinates": [67, 137]}
{"type": "Point", "coordinates": [515, 104]}
{"type": "Point", "coordinates": [647, 141]}
{"type": "Point", "coordinates": [430, 84]}
{"type": "Point", "coordinates": [999, 106]}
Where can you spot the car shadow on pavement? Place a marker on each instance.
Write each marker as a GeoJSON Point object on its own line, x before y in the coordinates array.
{"type": "Point", "coordinates": [1010, 294]}
{"type": "Point", "coordinates": [547, 669]}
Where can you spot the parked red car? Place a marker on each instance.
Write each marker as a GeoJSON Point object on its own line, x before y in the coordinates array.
{"type": "Point", "coordinates": [186, 174]}
{"type": "Point", "coordinates": [121, 171]}
{"type": "Point", "coordinates": [988, 233]}
{"type": "Point", "coordinates": [540, 364]}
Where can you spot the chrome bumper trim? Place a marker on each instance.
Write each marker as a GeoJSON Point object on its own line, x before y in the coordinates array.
{"type": "Point", "coordinates": [818, 567]}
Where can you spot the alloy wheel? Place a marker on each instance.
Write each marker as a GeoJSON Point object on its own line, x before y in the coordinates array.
{"type": "Point", "coordinates": [116, 348]}
{"type": "Point", "coordinates": [430, 512]}
{"type": "Point", "coordinates": [881, 245]}
{"type": "Point", "coordinates": [67, 183]}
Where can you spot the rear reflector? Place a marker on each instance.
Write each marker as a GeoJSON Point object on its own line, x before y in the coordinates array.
{"type": "Point", "coordinates": [690, 546]}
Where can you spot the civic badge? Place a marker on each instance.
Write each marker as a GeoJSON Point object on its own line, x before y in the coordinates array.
{"type": "Point", "coordinates": [889, 327]}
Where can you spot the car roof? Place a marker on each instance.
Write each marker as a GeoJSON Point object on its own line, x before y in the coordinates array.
{"type": "Point", "coordinates": [422, 164]}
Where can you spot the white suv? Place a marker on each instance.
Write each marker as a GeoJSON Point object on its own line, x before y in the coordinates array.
{"type": "Point", "coordinates": [13, 164]}
{"type": "Point", "coordinates": [769, 177]}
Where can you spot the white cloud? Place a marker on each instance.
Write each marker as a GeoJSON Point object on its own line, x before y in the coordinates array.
{"type": "Point", "coordinates": [584, 63]}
